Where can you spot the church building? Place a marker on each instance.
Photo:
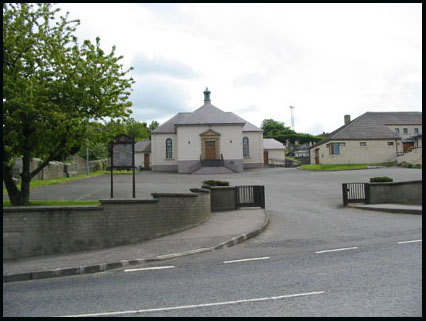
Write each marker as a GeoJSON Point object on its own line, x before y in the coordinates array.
{"type": "Point", "coordinates": [207, 140]}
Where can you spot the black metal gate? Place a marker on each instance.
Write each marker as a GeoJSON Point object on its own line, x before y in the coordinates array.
{"type": "Point", "coordinates": [250, 196]}
{"type": "Point", "coordinates": [355, 193]}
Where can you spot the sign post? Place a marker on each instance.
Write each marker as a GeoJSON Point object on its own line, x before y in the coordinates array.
{"type": "Point", "coordinates": [122, 157]}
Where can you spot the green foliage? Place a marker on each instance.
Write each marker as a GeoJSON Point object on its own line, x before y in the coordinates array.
{"type": "Point", "coordinates": [52, 88]}
{"type": "Point", "coordinates": [301, 138]}
{"type": "Point", "coordinates": [333, 167]}
{"type": "Point", "coordinates": [272, 128]}
{"type": "Point", "coordinates": [381, 179]}
{"type": "Point", "coordinates": [215, 183]}
{"type": "Point", "coordinates": [138, 131]}
{"type": "Point", "coordinates": [277, 130]}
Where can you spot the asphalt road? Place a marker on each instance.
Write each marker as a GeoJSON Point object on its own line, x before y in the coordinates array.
{"type": "Point", "coordinates": [288, 270]}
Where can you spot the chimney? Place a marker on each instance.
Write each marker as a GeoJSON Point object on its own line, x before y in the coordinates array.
{"type": "Point", "coordinates": [207, 96]}
{"type": "Point", "coordinates": [347, 119]}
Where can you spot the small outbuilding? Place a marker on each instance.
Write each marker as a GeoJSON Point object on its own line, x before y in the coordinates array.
{"type": "Point", "coordinates": [143, 154]}
{"type": "Point", "coordinates": [273, 152]}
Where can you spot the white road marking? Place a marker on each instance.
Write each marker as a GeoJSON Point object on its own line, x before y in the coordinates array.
{"type": "Point", "coordinates": [336, 250]}
{"type": "Point", "coordinates": [245, 260]}
{"type": "Point", "coordinates": [151, 268]}
{"type": "Point", "coordinates": [402, 242]}
{"type": "Point", "coordinates": [194, 306]}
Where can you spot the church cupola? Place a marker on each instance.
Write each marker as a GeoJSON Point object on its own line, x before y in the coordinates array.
{"type": "Point", "coordinates": [207, 96]}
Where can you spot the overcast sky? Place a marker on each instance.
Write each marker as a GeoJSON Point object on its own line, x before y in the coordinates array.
{"type": "Point", "coordinates": [326, 60]}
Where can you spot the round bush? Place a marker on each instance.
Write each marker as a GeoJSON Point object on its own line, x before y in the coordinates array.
{"type": "Point", "coordinates": [383, 179]}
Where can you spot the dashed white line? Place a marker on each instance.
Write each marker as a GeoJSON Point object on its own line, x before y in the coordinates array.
{"type": "Point", "coordinates": [336, 250]}
{"type": "Point", "coordinates": [412, 241]}
{"type": "Point", "coordinates": [194, 306]}
{"type": "Point", "coordinates": [246, 260]}
{"type": "Point", "coordinates": [151, 268]}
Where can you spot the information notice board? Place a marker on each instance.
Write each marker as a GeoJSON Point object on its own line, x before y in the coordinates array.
{"type": "Point", "coordinates": [122, 150]}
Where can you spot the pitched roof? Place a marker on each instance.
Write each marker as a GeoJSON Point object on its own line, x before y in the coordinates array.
{"type": "Point", "coordinates": [143, 146]}
{"type": "Point", "coordinates": [270, 143]}
{"type": "Point", "coordinates": [205, 115]}
{"type": "Point", "coordinates": [373, 125]}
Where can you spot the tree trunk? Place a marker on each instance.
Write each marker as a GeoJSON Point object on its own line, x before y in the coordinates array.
{"type": "Point", "coordinates": [12, 189]}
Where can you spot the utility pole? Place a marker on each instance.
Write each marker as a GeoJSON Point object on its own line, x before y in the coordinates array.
{"type": "Point", "coordinates": [292, 117]}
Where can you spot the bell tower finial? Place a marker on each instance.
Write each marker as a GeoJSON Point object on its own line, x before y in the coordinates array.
{"type": "Point", "coordinates": [207, 95]}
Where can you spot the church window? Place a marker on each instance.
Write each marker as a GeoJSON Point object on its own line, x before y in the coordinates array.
{"type": "Point", "coordinates": [169, 146]}
{"type": "Point", "coordinates": [246, 149]}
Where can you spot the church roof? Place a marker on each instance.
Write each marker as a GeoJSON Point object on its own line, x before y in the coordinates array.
{"type": "Point", "coordinates": [205, 115]}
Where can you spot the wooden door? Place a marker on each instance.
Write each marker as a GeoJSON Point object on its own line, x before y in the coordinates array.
{"type": "Point", "coordinates": [265, 157]}
{"type": "Point", "coordinates": [210, 150]}
{"type": "Point", "coordinates": [407, 147]}
{"type": "Point", "coordinates": [316, 155]}
{"type": "Point", "coordinates": [146, 161]}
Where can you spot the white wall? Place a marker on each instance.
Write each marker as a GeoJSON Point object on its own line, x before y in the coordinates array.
{"type": "Point", "coordinates": [189, 141]}
{"type": "Point", "coordinates": [376, 151]}
{"type": "Point", "coordinates": [158, 149]}
{"type": "Point", "coordinates": [255, 147]}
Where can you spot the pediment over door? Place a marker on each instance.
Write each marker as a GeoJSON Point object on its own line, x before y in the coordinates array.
{"type": "Point", "coordinates": [209, 132]}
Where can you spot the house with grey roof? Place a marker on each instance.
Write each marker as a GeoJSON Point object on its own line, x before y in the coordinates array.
{"type": "Point", "coordinates": [373, 137]}
{"type": "Point", "coordinates": [207, 140]}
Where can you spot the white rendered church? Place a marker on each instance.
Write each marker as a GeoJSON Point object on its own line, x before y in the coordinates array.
{"type": "Point", "coordinates": [206, 139]}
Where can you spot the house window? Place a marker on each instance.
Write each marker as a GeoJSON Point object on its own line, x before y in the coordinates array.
{"type": "Point", "coordinates": [396, 130]}
{"type": "Point", "coordinates": [416, 130]}
{"type": "Point", "coordinates": [246, 150]}
{"type": "Point", "coordinates": [390, 143]}
{"type": "Point", "coordinates": [335, 148]}
{"type": "Point", "coordinates": [169, 146]}
{"type": "Point", "coordinates": [405, 130]}
{"type": "Point", "coordinates": [362, 143]}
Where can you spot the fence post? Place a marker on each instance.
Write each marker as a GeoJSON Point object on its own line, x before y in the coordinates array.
{"type": "Point", "coordinates": [345, 194]}
{"type": "Point", "coordinates": [367, 193]}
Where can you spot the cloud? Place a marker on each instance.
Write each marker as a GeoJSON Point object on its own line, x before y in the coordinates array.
{"type": "Point", "coordinates": [159, 65]}
{"type": "Point", "coordinates": [157, 99]}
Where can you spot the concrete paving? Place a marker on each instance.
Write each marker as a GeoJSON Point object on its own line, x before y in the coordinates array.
{"type": "Point", "coordinates": [223, 229]}
{"type": "Point", "coordinates": [391, 208]}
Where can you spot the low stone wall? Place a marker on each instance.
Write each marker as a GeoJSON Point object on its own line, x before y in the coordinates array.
{"type": "Point", "coordinates": [34, 231]}
{"type": "Point", "coordinates": [55, 169]}
{"type": "Point", "coordinates": [413, 157]}
{"type": "Point", "coordinates": [397, 192]}
{"type": "Point", "coordinates": [223, 198]}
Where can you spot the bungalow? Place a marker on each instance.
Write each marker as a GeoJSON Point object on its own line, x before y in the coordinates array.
{"type": "Point", "coordinates": [207, 137]}
{"type": "Point", "coordinates": [373, 137]}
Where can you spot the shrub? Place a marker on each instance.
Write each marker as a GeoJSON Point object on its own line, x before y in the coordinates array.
{"type": "Point", "coordinates": [215, 183]}
{"type": "Point", "coordinates": [380, 179]}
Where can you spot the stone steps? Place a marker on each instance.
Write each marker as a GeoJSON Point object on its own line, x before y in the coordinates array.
{"type": "Point", "coordinates": [212, 170]}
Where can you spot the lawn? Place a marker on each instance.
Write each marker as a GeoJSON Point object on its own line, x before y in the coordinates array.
{"type": "Point", "coordinates": [339, 167]}
{"type": "Point", "coordinates": [44, 182]}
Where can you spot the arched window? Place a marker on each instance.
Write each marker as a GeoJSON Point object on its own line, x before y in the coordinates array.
{"type": "Point", "coordinates": [246, 149]}
{"type": "Point", "coordinates": [169, 148]}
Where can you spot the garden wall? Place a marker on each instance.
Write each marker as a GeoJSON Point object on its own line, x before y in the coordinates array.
{"type": "Point", "coordinates": [397, 192]}
{"type": "Point", "coordinates": [34, 231]}
{"type": "Point", "coordinates": [223, 198]}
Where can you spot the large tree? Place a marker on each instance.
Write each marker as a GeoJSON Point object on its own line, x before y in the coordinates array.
{"type": "Point", "coordinates": [52, 87]}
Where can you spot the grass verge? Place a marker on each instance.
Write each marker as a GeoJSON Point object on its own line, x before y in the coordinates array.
{"type": "Point", "coordinates": [339, 167]}
{"type": "Point", "coordinates": [44, 182]}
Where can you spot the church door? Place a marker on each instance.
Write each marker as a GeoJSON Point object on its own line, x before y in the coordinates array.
{"type": "Point", "coordinates": [210, 150]}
